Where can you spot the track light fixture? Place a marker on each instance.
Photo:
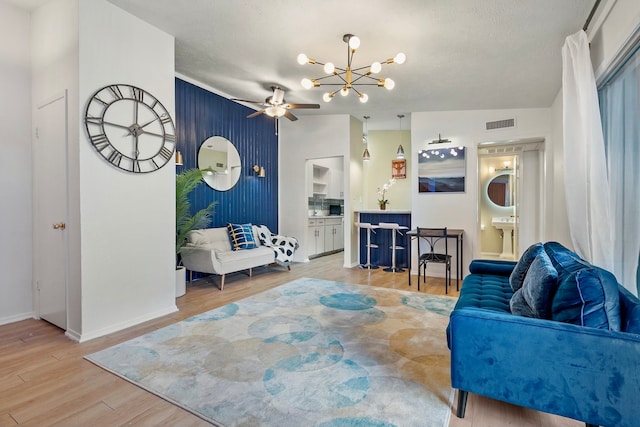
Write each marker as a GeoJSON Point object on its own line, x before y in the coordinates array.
{"type": "Point", "coordinates": [349, 77]}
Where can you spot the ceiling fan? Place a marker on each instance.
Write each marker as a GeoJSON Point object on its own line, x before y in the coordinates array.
{"type": "Point", "coordinates": [276, 106]}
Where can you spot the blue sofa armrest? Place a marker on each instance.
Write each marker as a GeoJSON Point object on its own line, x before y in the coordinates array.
{"type": "Point", "coordinates": [491, 266]}
{"type": "Point", "coordinates": [582, 373]}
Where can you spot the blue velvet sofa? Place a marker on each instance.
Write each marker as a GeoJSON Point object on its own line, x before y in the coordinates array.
{"type": "Point", "coordinates": [550, 332]}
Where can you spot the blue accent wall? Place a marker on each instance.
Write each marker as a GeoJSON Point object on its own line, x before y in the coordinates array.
{"type": "Point", "coordinates": [201, 114]}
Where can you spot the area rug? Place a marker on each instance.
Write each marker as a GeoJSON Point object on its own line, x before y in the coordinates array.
{"type": "Point", "coordinates": [308, 353]}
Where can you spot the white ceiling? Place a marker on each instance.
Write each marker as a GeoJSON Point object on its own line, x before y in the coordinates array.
{"type": "Point", "coordinates": [461, 54]}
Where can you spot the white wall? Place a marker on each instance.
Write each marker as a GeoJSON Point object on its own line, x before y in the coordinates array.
{"type": "Point", "coordinates": [310, 137]}
{"type": "Point", "coordinates": [127, 220]}
{"type": "Point", "coordinates": [15, 165]}
{"type": "Point", "coordinates": [464, 128]}
{"type": "Point", "coordinates": [383, 146]}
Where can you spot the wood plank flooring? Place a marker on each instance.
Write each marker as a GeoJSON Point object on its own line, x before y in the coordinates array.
{"type": "Point", "coordinates": [44, 381]}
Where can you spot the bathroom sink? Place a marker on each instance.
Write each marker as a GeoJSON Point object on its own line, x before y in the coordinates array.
{"type": "Point", "coordinates": [503, 222]}
{"type": "Point", "coordinates": [507, 225]}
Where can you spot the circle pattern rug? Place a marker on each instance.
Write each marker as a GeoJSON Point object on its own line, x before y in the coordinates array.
{"type": "Point", "coordinates": [308, 353]}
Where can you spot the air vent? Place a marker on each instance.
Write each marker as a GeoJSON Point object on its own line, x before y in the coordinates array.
{"type": "Point", "coordinates": [500, 124]}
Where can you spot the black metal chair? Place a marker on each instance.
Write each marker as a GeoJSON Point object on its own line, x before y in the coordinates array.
{"type": "Point", "coordinates": [427, 253]}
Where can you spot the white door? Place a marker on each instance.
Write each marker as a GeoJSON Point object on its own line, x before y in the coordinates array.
{"type": "Point", "coordinates": [50, 210]}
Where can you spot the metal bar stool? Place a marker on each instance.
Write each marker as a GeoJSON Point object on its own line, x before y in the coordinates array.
{"type": "Point", "coordinates": [395, 229]}
{"type": "Point", "coordinates": [370, 229]}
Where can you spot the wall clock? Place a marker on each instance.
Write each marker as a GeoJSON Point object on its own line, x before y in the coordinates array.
{"type": "Point", "coordinates": [130, 128]}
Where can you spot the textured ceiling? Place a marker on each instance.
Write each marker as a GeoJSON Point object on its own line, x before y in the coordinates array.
{"type": "Point", "coordinates": [461, 54]}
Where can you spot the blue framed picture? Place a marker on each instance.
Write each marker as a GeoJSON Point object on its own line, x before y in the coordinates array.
{"type": "Point", "coordinates": [442, 170]}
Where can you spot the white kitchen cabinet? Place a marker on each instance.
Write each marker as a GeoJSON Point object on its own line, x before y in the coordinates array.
{"type": "Point", "coordinates": [333, 234]}
{"type": "Point", "coordinates": [315, 237]}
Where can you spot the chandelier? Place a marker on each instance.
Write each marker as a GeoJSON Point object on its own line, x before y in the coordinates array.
{"type": "Point", "coordinates": [347, 78]}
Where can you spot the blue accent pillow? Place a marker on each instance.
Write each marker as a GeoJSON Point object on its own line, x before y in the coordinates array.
{"type": "Point", "coordinates": [534, 298]}
{"type": "Point", "coordinates": [241, 236]}
{"type": "Point", "coordinates": [516, 279]}
{"type": "Point", "coordinates": [588, 297]}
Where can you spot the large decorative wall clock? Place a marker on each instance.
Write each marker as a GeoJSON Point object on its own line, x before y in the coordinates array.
{"type": "Point", "coordinates": [130, 128]}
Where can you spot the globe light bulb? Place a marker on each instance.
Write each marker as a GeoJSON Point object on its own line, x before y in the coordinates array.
{"type": "Point", "coordinates": [344, 91]}
{"type": "Point", "coordinates": [389, 84]}
{"type": "Point", "coordinates": [354, 42]}
{"type": "Point", "coordinates": [376, 67]}
{"type": "Point", "coordinates": [302, 59]}
{"type": "Point", "coordinates": [400, 58]}
{"type": "Point", "coordinates": [364, 97]}
{"type": "Point", "coordinates": [327, 97]}
{"type": "Point", "coordinates": [307, 83]}
{"type": "Point", "coordinates": [329, 68]}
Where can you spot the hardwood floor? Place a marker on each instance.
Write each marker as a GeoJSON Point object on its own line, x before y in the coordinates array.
{"type": "Point", "coordinates": [44, 381]}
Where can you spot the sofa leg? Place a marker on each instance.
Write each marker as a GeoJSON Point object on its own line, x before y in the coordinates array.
{"type": "Point", "coordinates": [289, 267]}
{"type": "Point", "coordinates": [462, 403]}
{"type": "Point", "coordinates": [590, 425]}
{"type": "Point", "coordinates": [251, 272]}
{"type": "Point", "coordinates": [222, 282]}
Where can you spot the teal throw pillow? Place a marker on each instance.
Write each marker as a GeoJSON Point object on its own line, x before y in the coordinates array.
{"type": "Point", "coordinates": [534, 298]}
{"type": "Point", "coordinates": [588, 297]}
{"type": "Point", "coordinates": [516, 279]}
{"type": "Point", "coordinates": [241, 236]}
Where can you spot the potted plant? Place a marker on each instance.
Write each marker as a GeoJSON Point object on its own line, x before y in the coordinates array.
{"type": "Point", "coordinates": [187, 181]}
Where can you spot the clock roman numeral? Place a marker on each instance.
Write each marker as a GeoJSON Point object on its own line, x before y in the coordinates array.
{"type": "Point", "coordinates": [100, 141]}
{"type": "Point", "coordinates": [115, 158]}
{"type": "Point", "coordinates": [165, 119]}
{"type": "Point", "coordinates": [135, 166]}
{"type": "Point", "coordinates": [138, 94]}
{"type": "Point", "coordinates": [115, 91]}
{"type": "Point", "coordinates": [97, 98]}
{"type": "Point", "coordinates": [94, 120]}
{"type": "Point", "coordinates": [166, 153]}
{"type": "Point", "coordinates": [169, 138]}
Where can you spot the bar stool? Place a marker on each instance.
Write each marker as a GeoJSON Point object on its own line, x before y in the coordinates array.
{"type": "Point", "coordinates": [370, 229]}
{"type": "Point", "coordinates": [395, 229]}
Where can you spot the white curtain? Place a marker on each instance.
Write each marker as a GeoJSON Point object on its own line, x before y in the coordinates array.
{"type": "Point", "coordinates": [620, 107]}
{"type": "Point", "coordinates": [586, 185]}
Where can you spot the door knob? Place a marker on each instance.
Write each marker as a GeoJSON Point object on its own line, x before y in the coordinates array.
{"type": "Point", "coordinates": [59, 226]}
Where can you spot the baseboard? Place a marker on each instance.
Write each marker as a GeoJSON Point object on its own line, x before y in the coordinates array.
{"type": "Point", "coordinates": [16, 318]}
{"type": "Point", "coordinates": [120, 326]}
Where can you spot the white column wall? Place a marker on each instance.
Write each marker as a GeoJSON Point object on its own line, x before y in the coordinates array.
{"type": "Point", "coordinates": [310, 137]}
{"type": "Point", "coordinates": [127, 220]}
{"type": "Point", "coordinates": [15, 165]}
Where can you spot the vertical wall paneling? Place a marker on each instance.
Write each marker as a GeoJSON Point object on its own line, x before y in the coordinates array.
{"type": "Point", "coordinates": [201, 114]}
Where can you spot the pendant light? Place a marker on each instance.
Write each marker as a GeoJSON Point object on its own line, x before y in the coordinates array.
{"type": "Point", "coordinates": [366, 155]}
{"type": "Point", "coordinates": [400, 152]}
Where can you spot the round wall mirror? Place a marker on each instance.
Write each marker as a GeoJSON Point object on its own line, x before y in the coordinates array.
{"type": "Point", "coordinates": [220, 162]}
{"type": "Point", "coordinates": [500, 190]}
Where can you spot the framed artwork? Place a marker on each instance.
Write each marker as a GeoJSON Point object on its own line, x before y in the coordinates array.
{"type": "Point", "coordinates": [399, 169]}
{"type": "Point", "coordinates": [442, 170]}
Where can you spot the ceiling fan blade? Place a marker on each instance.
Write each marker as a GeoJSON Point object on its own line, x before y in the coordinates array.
{"type": "Point", "coordinates": [290, 116]}
{"type": "Point", "coordinates": [261, 103]}
{"type": "Point", "coordinates": [316, 106]}
{"type": "Point", "coordinates": [257, 113]}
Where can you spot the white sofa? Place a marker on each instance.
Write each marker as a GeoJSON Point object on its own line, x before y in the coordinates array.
{"type": "Point", "coordinates": [209, 251]}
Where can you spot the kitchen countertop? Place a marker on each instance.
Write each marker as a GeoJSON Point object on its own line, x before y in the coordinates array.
{"type": "Point", "coordinates": [325, 216]}
{"type": "Point", "coordinates": [386, 211]}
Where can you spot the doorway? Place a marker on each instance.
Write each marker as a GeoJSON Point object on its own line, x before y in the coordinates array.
{"type": "Point", "coordinates": [509, 197]}
{"type": "Point", "coordinates": [50, 259]}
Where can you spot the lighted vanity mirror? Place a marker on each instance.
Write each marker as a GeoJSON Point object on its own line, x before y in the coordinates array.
{"type": "Point", "coordinates": [500, 190]}
{"type": "Point", "coordinates": [220, 162]}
